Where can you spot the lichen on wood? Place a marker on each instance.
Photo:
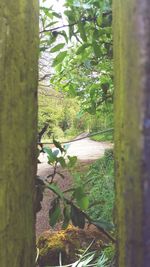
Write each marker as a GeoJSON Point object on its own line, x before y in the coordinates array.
{"type": "Point", "coordinates": [132, 133]}
{"type": "Point", "coordinates": [68, 242]}
{"type": "Point", "coordinates": [18, 130]}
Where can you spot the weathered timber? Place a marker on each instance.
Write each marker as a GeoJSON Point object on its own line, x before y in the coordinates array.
{"type": "Point", "coordinates": [18, 130]}
{"type": "Point", "coordinates": [131, 22]}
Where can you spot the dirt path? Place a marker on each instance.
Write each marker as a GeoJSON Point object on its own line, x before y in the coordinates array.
{"type": "Point", "coordinates": [87, 151]}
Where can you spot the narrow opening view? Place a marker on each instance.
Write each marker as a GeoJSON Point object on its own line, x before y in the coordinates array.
{"type": "Point", "coordinates": [74, 133]}
{"type": "Point", "coordinates": [75, 178]}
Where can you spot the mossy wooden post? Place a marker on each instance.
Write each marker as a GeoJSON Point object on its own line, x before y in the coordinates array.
{"type": "Point", "coordinates": [132, 130]}
{"type": "Point", "coordinates": [18, 119]}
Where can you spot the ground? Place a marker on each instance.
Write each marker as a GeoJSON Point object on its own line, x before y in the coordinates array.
{"type": "Point", "coordinates": [87, 151]}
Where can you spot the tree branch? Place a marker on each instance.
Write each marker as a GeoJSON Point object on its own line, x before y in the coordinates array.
{"type": "Point", "coordinates": [59, 27]}
{"type": "Point", "coordinates": [83, 20]}
{"type": "Point", "coordinates": [44, 77]}
{"type": "Point", "coordinates": [88, 135]}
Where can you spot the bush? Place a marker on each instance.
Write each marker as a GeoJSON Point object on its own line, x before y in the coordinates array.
{"type": "Point", "coordinates": [58, 132]}
{"type": "Point", "coordinates": [103, 120]}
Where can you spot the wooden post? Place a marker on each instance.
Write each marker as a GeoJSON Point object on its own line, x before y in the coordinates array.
{"type": "Point", "coordinates": [18, 130]}
{"type": "Point", "coordinates": [132, 130]}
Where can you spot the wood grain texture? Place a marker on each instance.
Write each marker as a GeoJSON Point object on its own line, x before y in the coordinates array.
{"type": "Point", "coordinates": [18, 130]}
{"type": "Point", "coordinates": [132, 130]}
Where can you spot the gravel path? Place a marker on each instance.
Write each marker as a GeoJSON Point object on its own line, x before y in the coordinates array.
{"type": "Point", "coordinates": [87, 151]}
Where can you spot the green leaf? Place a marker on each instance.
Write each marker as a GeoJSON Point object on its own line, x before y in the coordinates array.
{"type": "Point", "coordinates": [51, 155]}
{"type": "Point", "coordinates": [72, 161]}
{"type": "Point", "coordinates": [83, 203]}
{"type": "Point", "coordinates": [42, 49]}
{"type": "Point", "coordinates": [68, 13]}
{"type": "Point", "coordinates": [82, 48]}
{"type": "Point", "coordinates": [53, 187]}
{"type": "Point", "coordinates": [48, 150]}
{"type": "Point", "coordinates": [104, 225]}
{"type": "Point", "coordinates": [58, 68]}
{"type": "Point", "coordinates": [72, 90]}
{"type": "Point", "coordinates": [71, 31]}
{"type": "Point", "coordinates": [92, 109]}
{"type": "Point", "coordinates": [66, 213]}
{"type": "Point", "coordinates": [52, 39]}
{"type": "Point", "coordinates": [99, 20]}
{"type": "Point", "coordinates": [63, 33]}
{"type": "Point", "coordinates": [78, 192]}
{"type": "Point", "coordinates": [51, 24]}
{"type": "Point", "coordinates": [77, 177]}
{"type": "Point", "coordinates": [54, 213]}
{"type": "Point", "coordinates": [57, 15]}
{"type": "Point", "coordinates": [97, 49]}
{"type": "Point", "coordinates": [59, 58]}
{"type": "Point", "coordinates": [77, 217]}
{"type": "Point", "coordinates": [58, 145]}
{"type": "Point", "coordinates": [62, 162]}
{"type": "Point", "coordinates": [82, 31]}
{"type": "Point", "coordinates": [96, 35]}
{"type": "Point", "coordinates": [81, 198]}
{"type": "Point", "coordinates": [47, 12]}
{"type": "Point", "coordinates": [57, 47]}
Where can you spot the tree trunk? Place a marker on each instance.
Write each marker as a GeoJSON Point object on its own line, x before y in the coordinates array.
{"type": "Point", "coordinates": [18, 130]}
{"type": "Point", "coordinates": [132, 134]}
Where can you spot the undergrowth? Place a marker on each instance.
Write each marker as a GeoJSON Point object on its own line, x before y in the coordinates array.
{"type": "Point", "coordinates": [103, 137]}
{"type": "Point", "coordinates": [99, 184]}
{"type": "Point", "coordinates": [95, 202]}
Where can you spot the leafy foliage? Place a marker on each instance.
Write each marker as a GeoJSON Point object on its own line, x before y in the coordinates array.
{"type": "Point", "coordinates": [61, 114]}
{"type": "Point", "coordinates": [102, 120]}
{"type": "Point", "coordinates": [73, 204]}
{"type": "Point", "coordinates": [78, 43]}
{"type": "Point", "coordinates": [83, 47]}
{"type": "Point", "coordinates": [77, 203]}
{"type": "Point", "coordinates": [99, 183]}
{"type": "Point", "coordinates": [81, 61]}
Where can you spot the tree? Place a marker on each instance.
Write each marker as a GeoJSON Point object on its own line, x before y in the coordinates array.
{"type": "Point", "coordinates": [132, 134]}
{"type": "Point", "coordinates": [81, 49]}
{"type": "Point", "coordinates": [18, 131]}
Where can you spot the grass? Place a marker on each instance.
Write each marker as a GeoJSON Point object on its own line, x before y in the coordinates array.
{"type": "Point", "coordinates": [108, 136]}
{"type": "Point", "coordinates": [98, 182]}
{"type": "Point", "coordinates": [87, 259]}
{"type": "Point", "coordinates": [99, 185]}
{"type": "Point", "coordinates": [101, 188]}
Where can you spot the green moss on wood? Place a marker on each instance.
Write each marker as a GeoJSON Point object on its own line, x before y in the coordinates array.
{"type": "Point", "coordinates": [68, 242]}
{"type": "Point", "coordinates": [130, 46]}
{"type": "Point", "coordinates": [18, 117]}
